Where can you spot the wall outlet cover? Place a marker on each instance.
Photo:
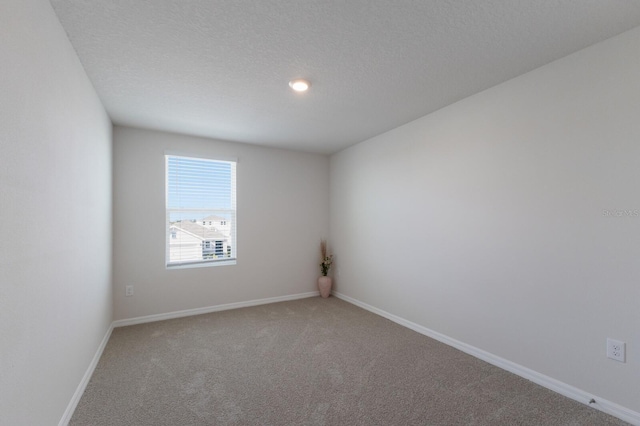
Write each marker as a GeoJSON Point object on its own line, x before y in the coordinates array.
{"type": "Point", "coordinates": [616, 350]}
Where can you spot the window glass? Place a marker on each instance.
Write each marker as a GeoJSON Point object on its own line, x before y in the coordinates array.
{"type": "Point", "coordinates": [200, 211]}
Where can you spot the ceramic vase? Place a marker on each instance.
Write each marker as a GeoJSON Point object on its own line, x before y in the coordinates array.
{"type": "Point", "coordinates": [324, 285]}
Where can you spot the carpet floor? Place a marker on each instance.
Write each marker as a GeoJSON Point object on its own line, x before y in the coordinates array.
{"type": "Point", "coordinates": [307, 362]}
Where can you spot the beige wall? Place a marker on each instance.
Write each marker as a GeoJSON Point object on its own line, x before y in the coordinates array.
{"type": "Point", "coordinates": [55, 211]}
{"type": "Point", "coordinates": [283, 211]}
{"type": "Point", "coordinates": [495, 209]}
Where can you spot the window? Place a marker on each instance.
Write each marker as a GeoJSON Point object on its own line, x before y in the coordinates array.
{"type": "Point", "coordinates": [198, 190]}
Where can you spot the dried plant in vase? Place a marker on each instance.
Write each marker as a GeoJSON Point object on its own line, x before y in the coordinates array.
{"type": "Point", "coordinates": [325, 282]}
{"type": "Point", "coordinates": [327, 259]}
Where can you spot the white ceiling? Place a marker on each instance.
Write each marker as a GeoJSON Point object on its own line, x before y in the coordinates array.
{"type": "Point", "coordinates": [220, 68]}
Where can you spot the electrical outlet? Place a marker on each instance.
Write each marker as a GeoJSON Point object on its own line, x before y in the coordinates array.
{"type": "Point", "coordinates": [128, 290]}
{"type": "Point", "coordinates": [615, 349]}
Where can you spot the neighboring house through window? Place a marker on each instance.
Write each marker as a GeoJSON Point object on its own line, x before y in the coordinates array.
{"type": "Point", "coordinates": [200, 211]}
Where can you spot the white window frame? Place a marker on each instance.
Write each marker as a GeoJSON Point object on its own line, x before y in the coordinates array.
{"type": "Point", "coordinates": [226, 212]}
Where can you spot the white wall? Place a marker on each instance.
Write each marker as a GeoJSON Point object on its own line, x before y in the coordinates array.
{"type": "Point", "coordinates": [493, 208]}
{"type": "Point", "coordinates": [55, 211]}
{"type": "Point", "coordinates": [283, 212]}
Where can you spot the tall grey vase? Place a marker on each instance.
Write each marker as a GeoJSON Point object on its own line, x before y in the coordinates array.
{"type": "Point", "coordinates": [324, 285]}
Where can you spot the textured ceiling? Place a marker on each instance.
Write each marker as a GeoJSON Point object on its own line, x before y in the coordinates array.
{"type": "Point", "coordinates": [220, 68]}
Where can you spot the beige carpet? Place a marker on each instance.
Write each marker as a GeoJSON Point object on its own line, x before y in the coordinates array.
{"type": "Point", "coordinates": [307, 362]}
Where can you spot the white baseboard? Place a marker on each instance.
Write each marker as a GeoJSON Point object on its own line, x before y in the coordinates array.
{"type": "Point", "coordinates": [66, 417]}
{"type": "Point", "coordinates": [564, 389]}
{"type": "Point", "coordinates": [209, 309]}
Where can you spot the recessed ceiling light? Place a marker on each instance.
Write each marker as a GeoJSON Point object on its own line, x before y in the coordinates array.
{"type": "Point", "coordinates": [299, 85]}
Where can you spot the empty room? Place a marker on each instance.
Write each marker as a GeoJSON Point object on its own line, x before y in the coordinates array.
{"type": "Point", "coordinates": [319, 212]}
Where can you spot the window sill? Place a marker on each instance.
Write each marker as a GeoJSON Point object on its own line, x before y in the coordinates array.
{"type": "Point", "coordinates": [201, 264]}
